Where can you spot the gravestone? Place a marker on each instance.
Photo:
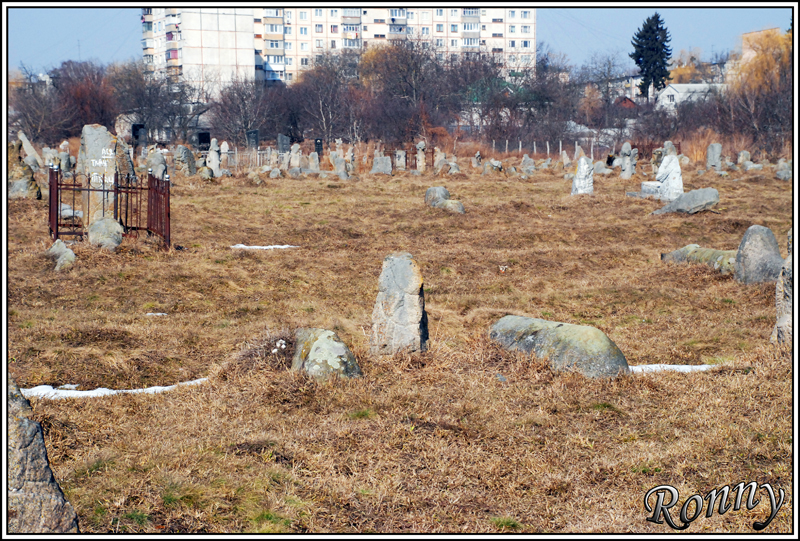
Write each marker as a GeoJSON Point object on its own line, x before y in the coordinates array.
{"type": "Point", "coordinates": [283, 143]}
{"type": "Point", "coordinates": [212, 158]}
{"type": "Point", "coordinates": [744, 156]}
{"type": "Point", "coordinates": [722, 260]}
{"type": "Point", "coordinates": [758, 258]}
{"type": "Point", "coordinates": [28, 148]}
{"type": "Point", "coordinates": [691, 202]}
{"type": "Point", "coordinates": [579, 153]}
{"type": "Point", "coordinates": [36, 504]}
{"type": "Point", "coordinates": [322, 355]}
{"type": "Point", "coordinates": [21, 182]}
{"type": "Point", "coordinates": [669, 175]}
{"type": "Point", "coordinates": [157, 163]}
{"type": "Point", "coordinates": [784, 302]}
{"type": "Point", "coordinates": [421, 156]}
{"type": "Point", "coordinates": [669, 149]}
{"type": "Point", "coordinates": [438, 197]}
{"type": "Point", "coordinates": [318, 146]}
{"type": "Point", "coordinates": [714, 157]}
{"type": "Point", "coordinates": [340, 168]}
{"type": "Point", "coordinates": [313, 162]}
{"type": "Point", "coordinates": [527, 166]}
{"type": "Point", "coordinates": [294, 157]}
{"type": "Point", "coordinates": [97, 161]}
{"type": "Point", "coordinates": [399, 320]}
{"type": "Point", "coordinates": [400, 160]}
{"type": "Point", "coordinates": [184, 161]}
{"type": "Point", "coordinates": [223, 155]}
{"type": "Point", "coordinates": [381, 165]}
{"type": "Point", "coordinates": [252, 137]}
{"type": "Point", "coordinates": [583, 183]}
{"type": "Point", "coordinates": [565, 159]}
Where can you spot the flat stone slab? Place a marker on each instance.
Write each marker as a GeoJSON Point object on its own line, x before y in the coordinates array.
{"type": "Point", "coordinates": [692, 202]}
{"type": "Point", "coordinates": [566, 346]}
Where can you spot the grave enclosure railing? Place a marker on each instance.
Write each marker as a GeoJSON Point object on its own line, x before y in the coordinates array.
{"type": "Point", "coordinates": [123, 200]}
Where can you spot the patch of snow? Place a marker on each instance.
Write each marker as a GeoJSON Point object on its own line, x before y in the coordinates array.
{"type": "Point", "coordinates": [155, 314]}
{"type": "Point", "coordinates": [674, 367]}
{"type": "Point", "coordinates": [67, 391]}
{"type": "Point", "coordinates": [274, 247]}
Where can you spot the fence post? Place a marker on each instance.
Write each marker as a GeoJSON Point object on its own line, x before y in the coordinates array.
{"type": "Point", "coordinates": [534, 148]}
{"type": "Point", "coordinates": [506, 146]}
{"type": "Point", "coordinates": [520, 147]}
{"type": "Point", "coordinates": [492, 145]}
{"type": "Point", "coordinates": [591, 153]}
{"type": "Point", "coordinates": [559, 148]}
{"type": "Point", "coordinates": [548, 149]}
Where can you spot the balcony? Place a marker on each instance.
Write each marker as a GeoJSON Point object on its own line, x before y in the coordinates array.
{"type": "Point", "coordinates": [174, 44]}
{"type": "Point", "coordinates": [171, 27]}
{"type": "Point", "coordinates": [172, 11]}
{"type": "Point", "coordinates": [351, 20]}
{"type": "Point", "coordinates": [173, 62]}
{"type": "Point", "coordinates": [272, 20]}
{"type": "Point", "coordinates": [398, 20]}
{"type": "Point", "coordinates": [147, 18]}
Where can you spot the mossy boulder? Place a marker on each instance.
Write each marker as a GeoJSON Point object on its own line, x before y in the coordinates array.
{"type": "Point", "coordinates": [322, 355]}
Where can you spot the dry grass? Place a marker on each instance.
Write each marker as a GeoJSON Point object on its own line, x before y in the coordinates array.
{"type": "Point", "coordinates": [433, 442]}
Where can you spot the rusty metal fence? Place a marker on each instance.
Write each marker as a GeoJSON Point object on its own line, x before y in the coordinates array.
{"type": "Point", "coordinates": [122, 200]}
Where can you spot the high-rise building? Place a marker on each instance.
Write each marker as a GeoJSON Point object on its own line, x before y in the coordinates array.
{"type": "Point", "coordinates": [216, 44]}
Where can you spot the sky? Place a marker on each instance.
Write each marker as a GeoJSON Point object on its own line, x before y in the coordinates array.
{"type": "Point", "coordinates": [42, 38]}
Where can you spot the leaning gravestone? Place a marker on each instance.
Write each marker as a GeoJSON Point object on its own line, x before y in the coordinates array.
{"type": "Point", "coordinates": [321, 354]}
{"type": "Point", "coordinates": [784, 301]}
{"type": "Point", "coordinates": [399, 320]}
{"type": "Point", "coordinates": [577, 347]}
{"type": "Point", "coordinates": [125, 169]}
{"type": "Point", "coordinates": [691, 202]}
{"type": "Point", "coordinates": [28, 148]}
{"type": "Point", "coordinates": [283, 143]}
{"type": "Point", "coordinates": [184, 161]}
{"type": "Point", "coordinates": [758, 258]}
{"type": "Point", "coordinates": [381, 165]}
{"type": "Point", "coordinates": [714, 157]}
{"type": "Point", "coordinates": [669, 175]}
{"type": "Point", "coordinates": [565, 159]}
{"type": "Point", "coordinates": [583, 183]}
{"type": "Point", "coordinates": [35, 502]}
{"type": "Point", "coordinates": [97, 161]}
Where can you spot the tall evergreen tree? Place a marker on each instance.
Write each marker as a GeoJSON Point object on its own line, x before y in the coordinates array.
{"type": "Point", "coordinates": [651, 53]}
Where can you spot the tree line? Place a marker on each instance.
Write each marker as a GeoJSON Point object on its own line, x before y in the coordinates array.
{"type": "Point", "coordinates": [406, 90]}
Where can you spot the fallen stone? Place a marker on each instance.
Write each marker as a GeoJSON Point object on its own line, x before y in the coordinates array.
{"type": "Point", "coordinates": [784, 174]}
{"type": "Point", "coordinates": [721, 260]}
{"type": "Point", "coordinates": [105, 233]}
{"type": "Point", "coordinates": [692, 202]}
{"type": "Point", "coordinates": [567, 347]}
{"type": "Point", "coordinates": [35, 502]}
{"type": "Point", "coordinates": [63, 256]}
{"type": "Point", "coordinates": [29, 150]}
{"type": "Point", "coordinates": [399, 320]}
{"type": "Point", "coordinates": [322, 355]}
{"type": "Point", "coordinates": [758, 258]}
{"type": "Point", "coordinates": [295, 172]}
{"type": "Point", "coordinates": [275, 173]}
{"type": "Point", "coordinates": [205, 173]}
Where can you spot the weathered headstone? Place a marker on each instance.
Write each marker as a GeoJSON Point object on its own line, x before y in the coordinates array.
{"type": "Point", "coordinates": [744, 156]}
{"type": "Point", "coordinates": [157, 163]}
{"type": "Point", "coordinates": [126, 172]}
{"type": "Point", "coordinates": [400, 160]}
{"type": "Point", "coordinates": [35, 502]}
{"type": "Point", "coordinates": [784, 302]}
{"type": "Point", "coordinates": [669, 175]}
{"type": "Point", "coordinates": [63, 256]}
{"type": "Point", "coordinates": [421, 156]}
{"type": "Point", "coordinates": [721, 260]}
{"type": "Point", "coordinates": [714, 157]}
{"type": "Point", "coordinates": [283, 143]}
{"type": "Point", "coordinates": [321, 354]}
{"type": "Point", "coordinates": [184, 161]}
{"type": "Point", "coordinates": [583, 183]}
{"type": "Point", "coordinates": [21, 181]}
{"type": "Point", "coordinates": [567, 347]}
{"type": "Point", "coordinates": [527, 166]}
{"type": "Point", "coordinates": [579, 153]}
{"type": "Point", "coordinates": [223, 155]}
{"type": "Point", "coordinates": [105, 233]}
{"type": "Point", "coordinates": [669, 149]}
{"type": "Point", "coordinates": [212, 159]}
{"type": "Point", "coordinates": [252, 137]}
{"type": "Point", "coordinates": [399, 320]}
{"type": "Point", "coordinates": [439, 197]}
{"type": "Point", "coordinates": [313, 162]}
{"type": "Point", "coordinates": [28, 148]}
{"type": "Point", "coordinates": [381, 165]}
{"type": "Point", "coordinates": [565, 158]}
{"type": "Point", "coordinates": [758, 258]}
{"type": "Point", "coordinates": [340, 168]}
{"type": "Point", "coordinates": [97, 161]}
{"type": "Point", "coordinates": [318, 146]}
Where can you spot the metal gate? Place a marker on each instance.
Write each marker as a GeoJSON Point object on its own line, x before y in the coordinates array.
{"type": "Point", "coordinates": [122, 201]}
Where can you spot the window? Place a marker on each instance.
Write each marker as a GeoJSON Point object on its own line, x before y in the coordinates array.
{"type": "Point", "coordinates": [350, 43]}
{"type": "Point", "coordinates": [483, 12]}
{"type": "Point", "coordinates": [258, 51]}
{"type": "Point", "coordinates": [288, 76]}
{"type": "Point", "coordinates": [259, 67]}
{"type": "Point", "coordinates": [289, 61]}
{"type": "Point", "coordinates": [526, 58]}
{"type": "Point", "coordinates": [497, 35]}
{"type": "Point", "coordinates": [470, 12]}
{"type": "Point", "coordinates": [275, 59]}
{"type": "Point", "coordinates": [273, 28]}
{"type": "Point", "coordinates": [350, 28]}
{"type": "Point", "coordinates": [512, 29]}
{"type": "Point", "coordinates": [483, 27]}
{"type": "Point", "coordinates": [147, 27]}
{"type": "Point", "coordinates": [318, 28]}
{"type": "Point", "coordinates": [410, 30]}
{"type": "Point", "coordinates": [317, 13]}
{"type": "Point", "coordinates": [396, 29]}
{"type": "Point", "coordinates": [454, 28]}
{"type": "Point", "coordinates": [287, 29]}
{"type": "Point", "coordinates": [334, 29]}
{"type": "Point", "coordinates": [470, 27]}
{"type": "Point", "coordinates": [526, 14]}
{"type": "Point", "coordinates": [256, 20]}
{"type": "Point", "coordinates": [318, 43]}
{"type": "Point", "coordinates": [379, 35]}
{"type": "Point", "coordinates": [304, 61]}
{"type": "Point", "coordinates": [469, 42]}
{"type": "Point", "coordinates": [512, 43]}
{"type": "Point", "coordinates": [453, 43]}
{"type": "Point", "coordinates": [365, 28]}
{"type": "Point", "coordinates": [526, 29]}
{"type": "Point", "coordinates": [172, 55]}
{"type": "Point", "coordinates": [440, 57]}
{"type": "Point", "coordinates": [426, 16]}
{"type": "Point", "coordinates": [288, 45]}
{"type": "Point", "coordinates": [410, 15]}
{"type": "Point", "coordinates": [303, 15]}
{"type": "Point", "coordinates": [304, 46]}
{"type": "Point", "coordinates": [512, 58]}
{"type": "Point", "coordinates": [160, 26]}
{"type": "Point", "coordinates": [303, 30]}
{"type": "Point", "coordinates": [425, 30]}
{"type": "Point", "coordinates": [351, 12]}
{"type": "Point", "coordinates": [273, 44]}
{"type": "Point", "coordinates": [671, 98]}
{"type": "Point", "coordinates": [526, 44]}
{"type": "Point", "coordinates": [334, 13]}
{"type": "Point", "coordinates": [289, 15]}
{"type": "Point", "coordinates": [398, 13]}
{"type": "Point", "coordinates": [512, 14]}
{"type": "Point", "coordinates": [272, 13]}
{"type": "Point", "coordinates": [454, 13]}
{"type": "Point", "coordinates": [440, 43]}
{"type": "Point", "coordinates": [333, 44]}
{"type": "Point", "coordinates": [379, 21]}
{"type": "Point", "coordinates": [440, 28]}
{"type": "Point", "coordinates": [440, 13]}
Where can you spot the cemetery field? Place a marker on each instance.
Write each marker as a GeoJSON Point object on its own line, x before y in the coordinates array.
{"type": "Point", "coordinates": [430, 442]}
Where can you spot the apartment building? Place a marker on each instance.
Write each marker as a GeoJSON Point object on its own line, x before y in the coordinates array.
{"type": "Point", "coordinates": [276, 44]}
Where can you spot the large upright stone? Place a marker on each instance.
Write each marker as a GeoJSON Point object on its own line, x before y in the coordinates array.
{"type": "Point", "coordinates": [97, 161]}
{"type": "Point", "coordinates": [627, 168]}
{"type": "Point", "coordinates": [35, 502]}
{"type": "Point", "coordinates": [583, 183]}
{"type": "Point", "coordinates": [294, 156]}
{"type": "Point", "coordinates": [321, 354]}
{"type": "Point", "coordinates": [381, 165]}
{"type": "Point", "coordinates": [283, 143]}
{"type": "Point", "coordinates": [400, 160]}
{"type": "Point", "coordinates": [527, 166]}
{"type": "Point", "coordinates": [784, 302]}
{"type": "Point", "coordinates": [223, 155]}
{"type": "Point", "coordinates": [577, 347]}
{"type": "Point", "coordinates": [28, 148]}
{"type": "Point", "coordinates": [565, 159]}
{"type": "Point", "coordinates": [105, 233]}
{"type": "Point", "coordinates": [125, 168]}
{"type": "Point", "coordinates": [744, 156]}
{"type": "Point", "coordinates": [184, 161]}
{"type": "Point", "coordinates": [212, 159]}
{"type": "Point", "coordinates": [399, 321]}
{"type": "Point", "coordinates": [579, 153]}
{"type": "Point", "coordinates": [669, 149]}
{"type": "Point", "coordinates": [313, 162]}
{"type": "Point", "coordinates": [340, 168]}
{"type": "Point", "coordinates": [669, 175]}
{"type": "Point", "coordinates": [157, 163]}
{"type": "Point", "coordinates": [759, 257]}
{"type": "Point", "coordinates": [714, 157]}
